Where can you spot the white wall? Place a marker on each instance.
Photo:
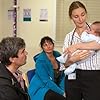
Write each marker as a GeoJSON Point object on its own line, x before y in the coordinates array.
{"type": "Point", "coordinates": [1, 19]}
{"type": "Point", "coordinates": [33, 31]}
{"type": "Point", "coordinates": [6, 23]}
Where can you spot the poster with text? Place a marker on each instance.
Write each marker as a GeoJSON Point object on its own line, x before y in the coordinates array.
{"type": "Point", "coordinates": [26, 14]}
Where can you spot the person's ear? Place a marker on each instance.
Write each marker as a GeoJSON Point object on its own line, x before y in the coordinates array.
{"type": "Point", "coordinates": [11, 59]}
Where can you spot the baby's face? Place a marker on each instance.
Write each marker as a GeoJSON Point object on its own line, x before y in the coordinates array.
{"type": "Point", "coordinates": [93, 30]}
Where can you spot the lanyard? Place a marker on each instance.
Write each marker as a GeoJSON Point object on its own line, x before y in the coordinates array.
{"type": "Point", "coordinates": [72, 37]}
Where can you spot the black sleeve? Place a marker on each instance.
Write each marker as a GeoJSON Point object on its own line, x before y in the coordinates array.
{"type": "Point", "coordinates": [8, 93]}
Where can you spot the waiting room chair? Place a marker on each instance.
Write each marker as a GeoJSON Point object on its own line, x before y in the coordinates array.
{"type": "Point", "coordinates": [30, 74]}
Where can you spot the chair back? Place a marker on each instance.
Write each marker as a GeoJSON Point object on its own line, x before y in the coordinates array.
{"type": "Point", "coordinates": [30, 74]}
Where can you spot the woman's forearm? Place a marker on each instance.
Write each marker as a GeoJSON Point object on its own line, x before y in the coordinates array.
{"type": "Point", "coordinates": [89, 46]}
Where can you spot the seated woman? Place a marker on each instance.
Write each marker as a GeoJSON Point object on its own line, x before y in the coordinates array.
{"type": "Point", "coordinates": [48, 81]}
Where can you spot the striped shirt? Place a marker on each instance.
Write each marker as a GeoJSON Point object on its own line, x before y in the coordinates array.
{"type": "Point", "coordinates": [92, 62]}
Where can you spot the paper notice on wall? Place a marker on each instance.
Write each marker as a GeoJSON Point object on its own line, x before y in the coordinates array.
{"type": "Point", "coordinates": [43, 15]}
{"type": "Point", "coordinates": [26, 14]}
{"type": "Point", "coordinates": [10, 14]}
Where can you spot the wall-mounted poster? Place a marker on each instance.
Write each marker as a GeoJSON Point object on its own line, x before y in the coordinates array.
{"type": "Point", "coordinates": [26, 14]}
{"type": "Point", "coordinates": [43, 15]}
{"type": "Point", "coordinates": [10, 14]}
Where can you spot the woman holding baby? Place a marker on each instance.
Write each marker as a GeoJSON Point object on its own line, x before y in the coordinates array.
{"type": "Point", "coordinates": [84, 82]}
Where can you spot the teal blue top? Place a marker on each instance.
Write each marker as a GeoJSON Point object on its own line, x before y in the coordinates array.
{"type": "Point", "coordinates": [43, 80]}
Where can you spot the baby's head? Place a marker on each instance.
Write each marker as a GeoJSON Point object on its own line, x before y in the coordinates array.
{"type": "Point", "coordinates": [95, 28]}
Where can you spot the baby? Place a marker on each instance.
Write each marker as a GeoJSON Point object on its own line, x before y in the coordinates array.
{"type": "Point", "coordinates": [93, 34]}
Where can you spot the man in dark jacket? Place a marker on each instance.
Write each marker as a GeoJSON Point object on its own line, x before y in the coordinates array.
{"type": "Point", "coordinates": [12, 56]}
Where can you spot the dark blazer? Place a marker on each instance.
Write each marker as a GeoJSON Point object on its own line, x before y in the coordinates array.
{"type": "Point", "coordinates": [10, 89]}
